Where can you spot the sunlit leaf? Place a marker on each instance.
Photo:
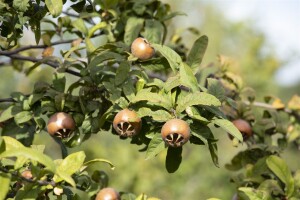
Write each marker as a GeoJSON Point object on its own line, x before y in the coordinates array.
{"type": "Point", "coordinates": [187, 78]}
{"type": "Point", "coordinates": [71, 164]}
{"type": "Point", "coordinates": [229, 128]}
{"type": "Point", "coordinates": [5, 184]}
{"type": "Point", "coordinates": [54, 7]}
{"type": "Point", "coordinates": [282, 171]}
{"type": "Point", "coordinates": [132, 29]}
{"type": "Point", "coordinates": [32, 155]}
{"type": "Point", "coordinates": [155, 98]}
{"type": "Point", "coordinates": [197, 98]}
{"type": "Point", "coordinates": [155, 146]}
{"type": "Point", "coordinates": [173, 58]}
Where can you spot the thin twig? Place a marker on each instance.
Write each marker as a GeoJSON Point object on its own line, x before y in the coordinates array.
{"type": "Point", "coordinates": [268, 106]}
{"type": "Point", "coordinates": [42, 46]}
{"type": "Point", "coordinates": [35, 60]}
{"type": "Point", "coordinates": [39, 182]}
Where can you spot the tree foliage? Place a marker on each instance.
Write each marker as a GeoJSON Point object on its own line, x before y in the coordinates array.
{"type": "Point", "coordinates": [109, 78]}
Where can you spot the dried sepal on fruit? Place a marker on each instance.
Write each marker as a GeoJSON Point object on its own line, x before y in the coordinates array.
{"type": "Point", "coordinates": [127, 123]}
{"type": "Point", "coordinates": [61, 125]}
{"type": "Point", "coordinates": [176, 132]}
{"type": "Point", "coordinates": [142, 49]}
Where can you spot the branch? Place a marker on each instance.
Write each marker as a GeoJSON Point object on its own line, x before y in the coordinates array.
{"type": "Point", "coordinates": [9, 100]}
{"type": "Point", "coordinates": [268, 106]}
{"type": "Point", "coordinates": [39, 182]}
{"type": "Point", "coordinates": [35, 60]}
{"type": "Point", "coordinates": [42, 46]}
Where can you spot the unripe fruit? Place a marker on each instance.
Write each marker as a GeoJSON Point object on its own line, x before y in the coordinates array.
{"type": "Point", "coordinates": [244, 127]}
{"type": "Point", "coordinates": [61, 125]}
{"type": "Point", "coordinates": [27, 174]}
{"type": "Point", "coordinates": [108, 194]}
{"type": "Point", "coordinates": [127, 123]}
{"type": "Point", "coordinates": [142, 49]}
{"type": "Point", "coordinates": [176, 132]}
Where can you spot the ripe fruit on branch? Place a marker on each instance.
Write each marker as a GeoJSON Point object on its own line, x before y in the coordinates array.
{"type": "Point", "coordinates": [176, 132]}
{"type": "Point", "coordinates": [61, 125]}
{"type": "Point", "coordinates": [108, 194]}
{"type": "Point", "coordinates": [142, 49]}
{"type": "Point", "coordinates": [244, 127]}
{"type": "Point", "coordinates": [127, 123]}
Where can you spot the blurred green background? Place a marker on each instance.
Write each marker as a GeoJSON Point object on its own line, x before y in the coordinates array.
{"type": "Point", "coordinates": [254, 58]}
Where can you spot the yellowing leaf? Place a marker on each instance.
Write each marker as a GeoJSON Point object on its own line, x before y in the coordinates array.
{"type": "Point", "coordinates": [294, 103]}
{"type": "Point", "coordinates": [277, 103]}
{"type": "Point", "coordinates": [47, 52]}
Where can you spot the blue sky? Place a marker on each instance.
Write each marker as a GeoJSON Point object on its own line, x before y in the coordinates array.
{"type": "Point", "coordinates": [280, 21]}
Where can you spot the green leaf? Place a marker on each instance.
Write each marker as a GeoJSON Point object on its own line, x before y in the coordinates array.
{"type": "Point", "coordinates": [132, 29]}
{"type": "Point", "coordinates": [196, 54]}
{"type": "Point", "coordinates": [153, 31]}
{"type": "Point", "coordinates": [99, 59]}
{"type": "Point", "coordinates": [171, 15]}
{"type": "Point", "coordinates": [95, 28]}
{"type": "Point", "coordinates": [5, 184]}
{"type": "Point", "coordinates": [54, 7]}
{"type": "Point", "coordinates": [253, 194]}
{"type": "Point", "coordinates": [187, 78]}
{"type": "Point", "coordinates": [122, 73]}
{"type": "Point", "coordinates": [21, 5]}
{"type": "Point", "coordinates": [172, 82]}
{"type": "Point", "coordinates": [59, 82]}
{"type": "Point", "coordinates": [197, 98]}
{"type": "Point", "coordinates": [215, 88]}
{"type": "Point", "coordinates": [173, 58]}
{"type": "Point", "coordinates": [155, 98]}
{"type": "Point", "coordinates": [282, 171]}
{"type": "Point", "coordinates": [195, 114]}
{"type": "Point", "coordinates": [155, 146]}
{"type": "Point", "coordinates": [11, 143]}
{"type": "Point", "coordinates": [23, 117]}
{"type": "Point", "coordinates": [99, 160]}
{"type": "Point", "coordinates": [158, 116]}
{"type": "Point", "coordinates": [80, 26]}
{"type": "Point", "coordinates": [6, 114]}
{"type": "Point", "coordinates": [32, 155]}
{"type": "Point", "coordinates": [29, 192]}
{"type": "Point", "coordinates": [213, 149]}
{"type": "Point", "coordinates": [70, 165]}
{"type": "Point", "coordinates": [271, 186]}
{"type": "Point", "coordinates": [229, 128]}
{"type": "Point", "coordinates": [173, 159]}
{"type": "Point", "coordinates": [90, 47]}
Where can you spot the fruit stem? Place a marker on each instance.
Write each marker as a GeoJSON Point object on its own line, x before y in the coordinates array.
{"type": "Point", "coordinates": [64, 150]}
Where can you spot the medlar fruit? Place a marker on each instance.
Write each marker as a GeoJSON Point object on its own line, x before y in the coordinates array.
{"type": "Point", "coordinates": [142, 49]}
{"type": "Point", "coordinates": [127, 123]}
{"type": "Point", "coordinates": [244, 127]}
{"type": "Point", "coordinates": [108, 194]}
{"type": "Point", "coordinates": [27, 174]}
{"type": "Point", "coordinates": [61, 125]}
{"type": "Point", "coordinates": [176, 132]}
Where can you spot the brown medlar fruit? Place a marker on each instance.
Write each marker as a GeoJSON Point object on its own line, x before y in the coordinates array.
{"type": "Point", "coordinates": [61, 125]}
{"type": "Point", "coordinates": [127, 123]}
{"type": "Point", "coordinates": [108, 194]}
{"type": "Point", "coordinates": [142, 49]}
{"type": "Point", "coordinates": [176, 132]}
{"type": "Point", "coordinates": [244, 127]}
